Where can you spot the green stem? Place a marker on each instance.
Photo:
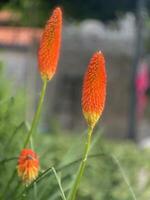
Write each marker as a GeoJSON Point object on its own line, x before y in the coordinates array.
{"type": "Point", "coordinates": [72, 194]}
{"type": "Point", "coordinates": [59, 183]}
{"type": "Point", "coordinates": [37, 114]}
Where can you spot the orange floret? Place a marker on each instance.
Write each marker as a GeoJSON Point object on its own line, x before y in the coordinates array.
{"type": "Point", "coordinates": [94, 89]}
{"type": "Point", "coordinates": [28, 166]}
{"type": "Point", "coordinates": [48, 54]}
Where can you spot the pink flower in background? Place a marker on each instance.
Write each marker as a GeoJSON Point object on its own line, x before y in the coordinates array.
{"type": "Point", "coordinates": [142, 84]}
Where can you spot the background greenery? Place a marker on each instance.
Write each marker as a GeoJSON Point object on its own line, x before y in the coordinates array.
{"type": "Point", "coordinates": [103, 178]}
{"type": "Point", "coordinates": [38, 10]}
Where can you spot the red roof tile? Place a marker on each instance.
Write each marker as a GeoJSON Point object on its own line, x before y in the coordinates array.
{"type": "Point", "coordinates": [18, 36]}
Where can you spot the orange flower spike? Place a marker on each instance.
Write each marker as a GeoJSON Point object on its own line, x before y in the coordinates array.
{"type": "Point", "coordinates": [94, 89]}
{"type": "Point", "coordinates": [48, 53]}
{"type": "Point", "coordinates": [28, 166]}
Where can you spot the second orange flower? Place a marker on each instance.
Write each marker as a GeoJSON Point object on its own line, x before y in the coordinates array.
{"type": "Point", "coordinates": [94, 89]}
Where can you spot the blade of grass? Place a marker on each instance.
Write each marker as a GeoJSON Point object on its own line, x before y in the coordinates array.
{"type": "Point", "coordinates": [59, 183]}
{"type": "Point", "coordinates": [124, 176]}
{"type": "Point", "coordinates": [54, 196]}
{"type": "Point", "coordinates": [17, 129]}
{"type": "Point", "coordinates": [3, 161]}
{"type": "Point", "coordinates": [52, 192]}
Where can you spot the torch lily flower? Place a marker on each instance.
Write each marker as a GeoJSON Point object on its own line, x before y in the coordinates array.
{"type": "Point", "coordinates": [94, 89]}
{"type": "Point", "coordinates": [48, 56]}
{"type": "Point", "coordinates": [28, 166]}
{"type": "Point", "coordinates": [93, 101]}
{"type": "Point", "coordinates": [48, 53]}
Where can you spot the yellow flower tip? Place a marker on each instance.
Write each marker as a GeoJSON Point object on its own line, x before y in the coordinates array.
{"type": "Point", "coordinates": [28, 166]}
{"type": "Point", "coordinates": [46, 77]}
{"type": "Point", "coordinates": [94, 89]}
{"type": "Point", "coordinates": [91, 118]}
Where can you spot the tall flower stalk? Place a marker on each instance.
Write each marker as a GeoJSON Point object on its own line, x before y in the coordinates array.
{"type": "Point", "coordinates": [37, 114]}
{"type": "Point", "coordinates": [93, 101]}
{"type": "Point", "coordinates": [48, 56]}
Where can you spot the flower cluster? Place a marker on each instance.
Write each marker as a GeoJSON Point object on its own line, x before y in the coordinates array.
{"type": "Point", "coordinates": [50, 45]}
{"type": "Point", "coordinates": [94, 89]}
{"type": "Point", "coordinates": [28, 165]}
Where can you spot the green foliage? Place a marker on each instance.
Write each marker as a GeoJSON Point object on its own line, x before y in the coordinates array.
{"type": "Point", "coordinates": [11, 120]}
{"type": "Point", "coordinates": [102, 180]}
{"type": "Point", "coordinates": [38, 10]}
{"type": "Point", "coordinates": [11, 112]}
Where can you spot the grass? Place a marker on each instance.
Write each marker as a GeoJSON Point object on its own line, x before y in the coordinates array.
{"type": "Point", "coordinates": [106, 179]}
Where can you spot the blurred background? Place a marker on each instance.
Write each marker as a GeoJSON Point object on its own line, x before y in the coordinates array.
{"type": "Point", "coordinates": [121, 29]}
